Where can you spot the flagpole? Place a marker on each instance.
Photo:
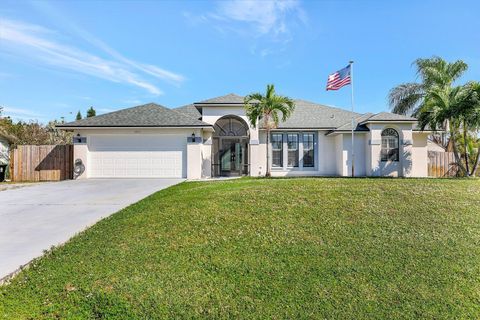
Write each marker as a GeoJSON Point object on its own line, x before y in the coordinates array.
{"type": "Point", "coordinates": [353, 121]}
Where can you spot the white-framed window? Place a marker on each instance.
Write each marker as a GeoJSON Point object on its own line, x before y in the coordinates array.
{"type": "Point", "coordinates": [390, 145]}
{"type": "Point", "coordinates": [292, 143]}
{"type": "Point", "coordinates": [308, 150]}
{"type": "Point", "coordinates": [277, 150]}
{"type": "Point", "coordinates": [293, 150]}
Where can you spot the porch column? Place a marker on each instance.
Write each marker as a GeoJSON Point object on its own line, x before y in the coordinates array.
{"type": "Point", "coordinates": [80, 156]}
{"type": "Point", "coordinates": [207, 155]}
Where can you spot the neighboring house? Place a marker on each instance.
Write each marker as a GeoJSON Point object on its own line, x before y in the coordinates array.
{"type": "Point", "coordinates": [5, 141]}
{"type": "Point", "coordinates": [213, 138]}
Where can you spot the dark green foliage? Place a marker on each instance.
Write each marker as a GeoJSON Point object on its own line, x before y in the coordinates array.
{"type": "Point", "coordinates": [79, 116]}
{"type": "Point", "coordinates": [91, 112]}
{"type": "Point", "coordinates": [269, 249]}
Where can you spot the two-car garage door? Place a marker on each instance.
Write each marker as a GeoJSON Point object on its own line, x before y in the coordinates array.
{"type": "Point", "coordinates": [137, 156]}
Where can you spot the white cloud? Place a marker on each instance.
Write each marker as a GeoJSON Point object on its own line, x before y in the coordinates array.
{"type": "Point", "coordinates": [265, 17]}
{"type": "Point", "coordinates": [267, 26]}
{"type": "Point", "coordinates": [66, 23]}
{"type": "Point", "coordinates": [38, 43]}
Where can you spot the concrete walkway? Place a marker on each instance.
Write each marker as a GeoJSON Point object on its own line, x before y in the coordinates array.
{"type": "Point", "coordinates": [34, 218]}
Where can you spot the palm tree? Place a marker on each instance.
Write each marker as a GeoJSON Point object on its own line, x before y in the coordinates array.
{"type": "Point", "coordinates": [435, 72]}
{"type": "Point", "coordinates": [436, 102]}
{"type": "Point", "coordinates": [438, 108]}
{"type": "Point", "coordinates": [468, 113]}
{"type": "Point", "coordinates": [267, 108]}
{"type": "Point", "coordinates": [459, 107]}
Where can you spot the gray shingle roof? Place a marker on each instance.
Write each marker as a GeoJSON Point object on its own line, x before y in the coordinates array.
{"type": "Point", "coordinates": [387, 116]}
{"type": "Point", "coordinates": [189, 110]}
{"type": "Point", "coordinates": [358, 121]}
{"type": "Point", "coordinates": [306, 115]}
{"type": "Point", "coordinates": [230, 98]}
{"type": "Point", "coordinates": [313, 115]}
{"type": "Point", "coordinates": [147, 115]}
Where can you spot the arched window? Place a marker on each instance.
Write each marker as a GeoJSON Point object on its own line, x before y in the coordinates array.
{"type": "Point", "coordinates": [390, 145]}
{"type": "Point", "coordinates": [230, 126]}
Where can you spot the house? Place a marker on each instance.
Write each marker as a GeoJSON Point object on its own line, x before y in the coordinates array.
{"type": "Point", "coordinates": [213, 138]}
{"type": "Point", "coordinates": [5, 141]}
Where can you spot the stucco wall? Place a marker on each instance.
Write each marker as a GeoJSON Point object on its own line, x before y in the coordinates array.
{"type": "Point", "coordinates": [420, 155]}
{"type": "Point", "coordinates": [401, 168]}
{"type": "Point", "coordinates": [327, 157]}
{"type": "Point", "coordinates": [359, 145]}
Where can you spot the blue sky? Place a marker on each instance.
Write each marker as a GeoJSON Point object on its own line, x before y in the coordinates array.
{"type": "Point", "coordinates": [60, 57]}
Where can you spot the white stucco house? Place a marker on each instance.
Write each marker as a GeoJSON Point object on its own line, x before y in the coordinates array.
{"type": "Point", "coordinates": [213, 138]}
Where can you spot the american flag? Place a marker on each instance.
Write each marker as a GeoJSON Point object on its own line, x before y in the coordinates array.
{"type": "Point", "coordinates": [339, 79]}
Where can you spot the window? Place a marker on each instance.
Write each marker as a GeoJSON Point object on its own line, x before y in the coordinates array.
{"type": "Point", "coordinates": [389, 145]}
{"type": "Point", "coordinates": [308, 152]}
{"type": "Point", "coordinates": [292, 142]}
{"type": "Point", "coordinates": [277, 150]}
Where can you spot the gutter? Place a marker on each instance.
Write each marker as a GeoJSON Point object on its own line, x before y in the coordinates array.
{"type": "Point", "coordinates": [132, 127]}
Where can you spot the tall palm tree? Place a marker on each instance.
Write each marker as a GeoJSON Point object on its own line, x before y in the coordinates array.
{"type": "Point", "coordinates": [434, 72]}
{"type": "Point", "coordinates": [267, 108]}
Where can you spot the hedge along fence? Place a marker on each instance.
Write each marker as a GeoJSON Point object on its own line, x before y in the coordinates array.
{"type": "Point", "coordinates": [41, 163]}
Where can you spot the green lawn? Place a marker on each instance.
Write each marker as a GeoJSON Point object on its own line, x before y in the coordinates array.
{"type": "Point", "coordinates": [269, 248]}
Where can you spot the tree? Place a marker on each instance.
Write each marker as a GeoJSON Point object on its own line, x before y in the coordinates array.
{"type": "Point", "coordinates": [91, 112]}
{"type": "Point", "coordinates": [435, 72]}
{"type": "Point", "coordinates": [437, 109]}
{"type": "Point", "coordinates": [440, 105]}
{"type": "Point", "coordinates": [79, 116]}
{"type": "Point", "coordinates": [266, 108]}
{"type": "Point", "coordinates": [58, 136]}
{"type": "Point", "coordinates": [467, 113]}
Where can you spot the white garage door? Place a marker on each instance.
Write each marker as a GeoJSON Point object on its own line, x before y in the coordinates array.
{"type": "Point", "coordinates": [137, 156]}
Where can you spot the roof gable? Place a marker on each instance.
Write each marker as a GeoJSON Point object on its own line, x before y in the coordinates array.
{"type": "Point", "coordinates": [388, 116]}
{"type": "Point", "coordinates": [147, 115]}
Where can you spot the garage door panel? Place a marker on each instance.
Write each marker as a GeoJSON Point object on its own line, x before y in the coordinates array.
{"type": "Point", "coordinates": [129, 156]}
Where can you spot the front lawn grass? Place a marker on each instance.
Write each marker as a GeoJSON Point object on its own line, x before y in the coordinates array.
{"type": "Point", "coordinates": [269, 248]}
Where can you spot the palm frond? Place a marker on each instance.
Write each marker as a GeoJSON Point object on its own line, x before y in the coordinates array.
{"type": "Point", "coordinates": [404, 98]}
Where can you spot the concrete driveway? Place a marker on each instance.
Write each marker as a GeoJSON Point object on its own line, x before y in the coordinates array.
{"type": "Point", "coordinates": [34, 218]}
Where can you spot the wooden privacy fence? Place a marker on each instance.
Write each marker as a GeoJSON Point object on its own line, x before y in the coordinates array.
{"type": "Point", "coordinates": [441, 164]}
{"type": "Point", "coordinates": [41, 163]}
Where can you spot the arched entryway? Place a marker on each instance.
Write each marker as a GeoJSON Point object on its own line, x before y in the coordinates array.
{"type": "Point", "coordinates": [230, 147]}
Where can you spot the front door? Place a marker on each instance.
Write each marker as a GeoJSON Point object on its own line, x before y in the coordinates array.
{"type": "Point", "coordinates": [232, 157]}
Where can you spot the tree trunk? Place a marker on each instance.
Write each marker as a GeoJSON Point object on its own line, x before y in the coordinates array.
{"type": "Point", "coordinates": [267, 174]}
{"type": "Point", "coordinates": [475, 165]}
{"type": "Point", "coordinates": [455, 153]}
{"type": "Point", "coordinates": [465, 148]}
